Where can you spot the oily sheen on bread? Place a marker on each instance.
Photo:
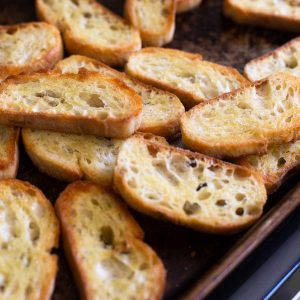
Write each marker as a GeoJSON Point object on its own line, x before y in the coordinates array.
{"type": "Point", "coordinates": [246, 121]}
{"type": "Point", "coordinates": [28, 47]}
{"type": "Point", "coordinates": [275, 164]}
{"type": "Point", "coordinates": [188, 188]}
{"type": "Point", "coordinates": [104, 246]}
{"type": "Point", "coordinates": [77, 103]}
{"type": "Point", "coordinates": [154, 19]}
{"type": "Point", "coordinates": [283, 59]}
{"type": "Point", "coordinates": [161, 109]}
{"type": "Point", "coordinates": [282, 15]}
{"type": "Point", "coordinates": [184, 74]}
{"type": "Point", "coordinates": [29, 232]}
{"type": "Point", "coordinates": [90, 29]}
{"type": "Point", "coordinates": [71, 157]}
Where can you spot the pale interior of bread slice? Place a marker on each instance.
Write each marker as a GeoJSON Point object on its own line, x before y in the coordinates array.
{"type": "Point", "coordinates": [285, 59]}
{"type": "Point", "coordinates": [158, 106]}
{"type": "Point", "coordinates": [202, 190]}
{"type": "Point", "coordinates": [253, 112]}
{"type": "Point", "coordinates": [19, 46]}
{"type": "Point", "coordinates": [201, 78]}
{"type": "Point", "coordinates": [59, 94]}
{"type": "Point", "coordinates": [115, 264]}
{"type": "Point", "coordinates": [278, 160]}
{"type": "Point", "coordinates": [27, 236]}
{"type": "Point", "coordinates": [286, 7]}
{"type": "Point", "coordinates": [93, 157]}
{"type": "Point", "coordinates": [152, 16]}
{"type": "Point", "coordinates": [91, 23]}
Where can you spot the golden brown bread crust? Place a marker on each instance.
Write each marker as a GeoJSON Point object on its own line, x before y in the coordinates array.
{"type": "Point", "coordinates": [113, 56]}
{"type": "Point", "coordinates": [110, 127]}
{"type": "Point", "coordinates": [187, 98]}
{"type": "Point", "coordinates": [258, 145]}
{"type": "Point", "coordinates": [81, 279]}
{"type": "Point", "coordinates": [63, 207]}
{"type": "Point", "coordinates": [152, 38]}
{"type": "Point", "coordinates": [49, 284]}
{"type": "Point", "coordinates": [272, 180]}
{"type": "Point", "coordinates": [268, 54]}
{"type": "Point", "coordinates": [70, 171]}
{"type": "Point", "coordinates": [186, 5]}
{"type": "Point", "coordinates": [167, 128]}
{"type": "Point", "coordinates": [66, 198]}
{"type": "Point", "coordinates": [47, 166]}
{"type": "Point", "coordinates": [171, 132]}
{"type": "Point", "coordinates": [190, 140]}
{"type": "Point", "coordinates": [173, 52]}
{"type": "Point", "coordinates": [260, 18]}
{"type": "Point", "coordinates": [164, 213]}
{"type": "Point", "coordinates": [47, 61]}
{"type": "Point", "coordinates": [51, 239]}
{"type": "Point", "coordinates": [47, 15]}
{"type": "Point", "coordinates": [9, 166]}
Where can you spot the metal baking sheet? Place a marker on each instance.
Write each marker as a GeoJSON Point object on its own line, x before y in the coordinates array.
{"type": "Point", "coordinates": [196, 263]}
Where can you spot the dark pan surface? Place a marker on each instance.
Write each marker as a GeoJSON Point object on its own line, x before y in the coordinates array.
{"type": "Point", "coordinates": [187, 255]}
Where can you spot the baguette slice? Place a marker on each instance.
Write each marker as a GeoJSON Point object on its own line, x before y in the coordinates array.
{"type": "Point", "coordinates": [279, 160]}
{"type": "Point", "coordinates": [188, 188]}
{"type": "Point", "coordinates": [103, 244]}
{"type": "Point", "coordinates": [9, 152]}
{"type": "Point", "coordinates": [284, 59]}
{"type": "Point", "coordinates": [282, 15]}
{"type": "Point", "coordinates": [29, 232]}
{"type": "Point", "coordinates": [71, 157]}
{"type": "Point", "coordinates": [186, 5]}
{"type": "Point", "coordinates": [246, 121]}
{"type": "Point", "coordinates": [28, 47]}
{"type": "Point", "coordinates": [77, 103]}
{"type": "Point", "coordinates": [90, 29]}
{"type": "Point", "coordinates": [154, 19]}
{"type": "Point", "coordinates": [183, 74]}
{"type": "Point", "coordinates": [161, 110]}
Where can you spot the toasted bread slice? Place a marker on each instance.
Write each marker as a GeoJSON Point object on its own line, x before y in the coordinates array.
{"type": "Point", "coordinates": [87, 103]}
{"type": "Point", "coordinates": [161, 110]}
{"type": "Point", "coordinates": [154, 19]}
{"type": "Point", "coordinates": [246, 121]}
{"type": "Point", "coordinates": [279, 160]}
{"type": "Point", "coordinates": [186, 5]}
{"type": "Point", "coordinates": [9, 152]}
{"type": "Point", "coordinates": [90, 29]}
{"type": "Point", "coordinates": [188, 188]}
{"type": "Point", "coordinates": [103, 245]}
{"type": "Point", "coordinates": [28, 47]}
{"type": "Point", "coordinates": [29, 232]}
{"type": "Point", "coordinates": [284, 59]}
{"type": "Point", "coordinates": [71, 157]}
{"type": "Point", "coordinates": [183, 74]}
{"type": "Point", "coordinates": [282, 15]}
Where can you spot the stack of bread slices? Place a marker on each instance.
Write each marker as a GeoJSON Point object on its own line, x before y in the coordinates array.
{"type": "Point", "coordinates": [108, 133]}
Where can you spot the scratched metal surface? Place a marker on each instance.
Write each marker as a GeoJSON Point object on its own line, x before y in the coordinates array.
{"type": "Point", "coordinates": [187, 255]}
